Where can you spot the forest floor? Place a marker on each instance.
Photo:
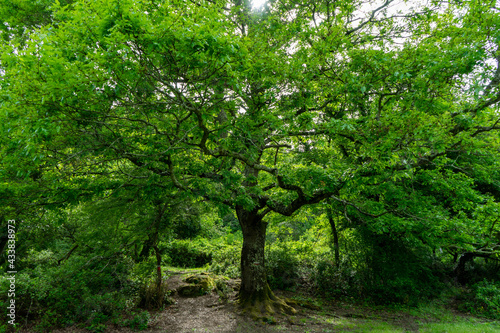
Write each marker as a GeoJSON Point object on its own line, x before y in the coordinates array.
{"type": "Point", "coordinates": [209, 313]}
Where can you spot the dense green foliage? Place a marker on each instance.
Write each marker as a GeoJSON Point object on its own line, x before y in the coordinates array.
{"type": "Point", "coordinates": [484, 299]}
{"type": "Point", "coordinates": [86, 290]}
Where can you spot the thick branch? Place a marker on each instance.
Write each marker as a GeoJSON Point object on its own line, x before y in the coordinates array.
{"type": "Point", "coordinates": [67, 254]}
{"type": "Point", "coordinates": [296, 204]}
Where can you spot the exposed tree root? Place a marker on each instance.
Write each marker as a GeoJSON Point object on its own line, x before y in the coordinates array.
{"type": "Point", "coordinates": [263, 305]}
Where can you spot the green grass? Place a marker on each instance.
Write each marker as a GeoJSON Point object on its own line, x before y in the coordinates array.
{"type": "Point", "coordinates": [435, 318]}
{"type": "Point", "coordinates": [432, 312]}
{"type": "Point", "coordinates": [381, 327]}
{"type": "Point", "coordinates": [172, 269]}
{"type": "Point", "coordinates": [460, 327]}
{"type": "Point", "coordinates": [358, 325]}
{"type": "Point", "coordinates": [376, 326]}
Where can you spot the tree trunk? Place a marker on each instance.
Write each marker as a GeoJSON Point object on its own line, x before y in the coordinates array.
{"type": "Point", "coordinates": [335, 236]}
{"type": "Point", "coordinates": [255, 295]}
{"type": "Point", "coordinates": [460, 271]}
{"type": "Point", "coordinates": [158, 269]}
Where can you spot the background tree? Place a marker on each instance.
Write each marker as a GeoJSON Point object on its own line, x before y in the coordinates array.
{"type": "Point", "coordinates": [20, 17]}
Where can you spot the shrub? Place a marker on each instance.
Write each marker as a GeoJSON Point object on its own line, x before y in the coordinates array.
{"type": "Point", "coordinates": [226, 261]}
{"type": "Point", "coordinates": [335, 282]}
{"type": "Point", "coordinates": [75, 291]}
{"type": "Point", "coordinates": [484, 299]}
{"type": "Point", "coordinates": [189, 253]}
{"type": "Point", "coordinates": [393, 269]}
{"type": "Point", "coordinates": [380, 269]}
{"type": "Point", "coordinates": [282, 268]}
{"type": "Point", "coordinates": [139, 321]}
{"type": "Point", "coordinates": [187, 228]}
{"type": "Point", "coordinates": [152, 297]}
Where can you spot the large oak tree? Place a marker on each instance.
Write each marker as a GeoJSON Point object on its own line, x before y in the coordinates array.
{"type": "Point", "coordinates": [392, 115]}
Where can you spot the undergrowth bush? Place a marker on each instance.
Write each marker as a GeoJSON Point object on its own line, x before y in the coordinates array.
{"type": "Point", "coordinates": [138, 321]}
{"type": "Point", "coordinates": [393, 273]}
{"type": "Point", "coordinates": [73, 292]}
{"type": "Point", "coordinates": [332, 281]}
{"type": "Point", "coordinates": [226, 261]}
{"type": "Point", "coordinates": [189, 253]}
{"type": "Point", "coordinates": [484, 299]}
{"type": "Point", "coordinates": [380, 270]}
{"type": "Point", "coordinates": [153, 297]}
{"type": "Point", "coordinates": [282, 268]}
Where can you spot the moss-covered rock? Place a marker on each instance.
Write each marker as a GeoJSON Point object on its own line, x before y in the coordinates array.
{"type": "Point", "coordinates": [198, 284]}
{"type": "Point", "coordinates": [190, 290]}
{"type": "Point", "coordinates": [206, 282]}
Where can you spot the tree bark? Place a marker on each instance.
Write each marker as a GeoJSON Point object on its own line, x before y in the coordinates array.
{"type": "Point", "coordinates": [255, 296]}
{"type": "Point", "coordinates": [158, 269]}
{"type": "Point", "coordinates": [253, 272]}
{"type": "Point", "coordinates": [335, 236]}
{"type": "Point", "coordinates": [459, 270]}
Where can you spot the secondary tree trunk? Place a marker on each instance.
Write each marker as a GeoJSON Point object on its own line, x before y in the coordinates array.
{"type": "Point", "coordinates": [158, 269]}
{"type": "Point", "coordinates": [255, 295]}
{"type": "Point", "coordinates": [336, 246]}
{"type": "Point", "coordinates": [460, 271]}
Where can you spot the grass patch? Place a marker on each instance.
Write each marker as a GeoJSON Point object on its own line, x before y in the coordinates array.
{"type": "Point", "coordinates": [357, 324]}
{"type": "Point", "coordinates": [376, 326]}
{"type": "Point", "coordinates": [432, 312]}
{"type": "Point", "coordinates": [177, 270]}
{"type": "Point", "coordinates": [466, 326]}
{"type": "Point", "coordinates": [342, 322]}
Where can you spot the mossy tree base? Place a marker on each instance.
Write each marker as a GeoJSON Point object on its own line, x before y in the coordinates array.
{"type": "Point", "coordinates": [263, 304]}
